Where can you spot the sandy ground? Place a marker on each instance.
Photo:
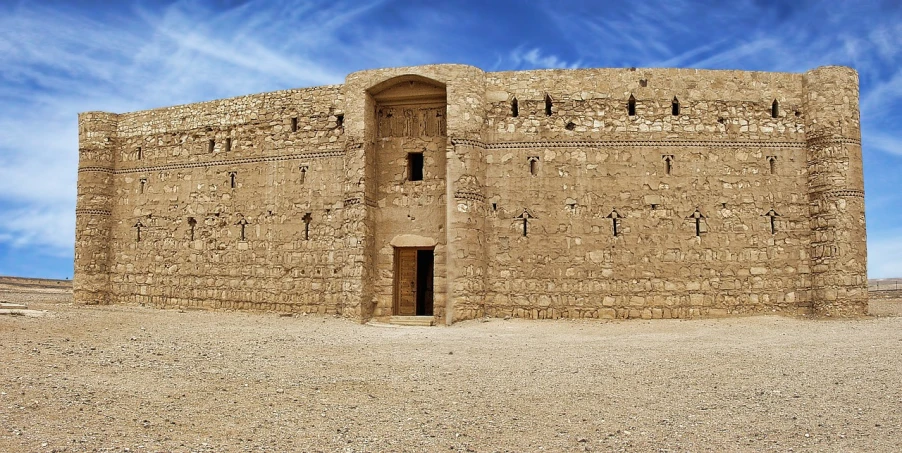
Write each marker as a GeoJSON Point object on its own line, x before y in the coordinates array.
{"type": "Point", "coordinates": [146, 380]}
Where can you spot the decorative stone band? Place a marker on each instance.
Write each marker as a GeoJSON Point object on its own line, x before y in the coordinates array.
{"type": "Point", "coordinates": [630, 143]}
{"type": "Point", "coordinates": [464, 195]}
{"type": "Point", "coordinates": [467, 142]}
{"type": "Point", "coordinates": [831, 140]}
{"type": "Point", "coordinates": [248, 160]}
{"type": "Point", "coordinates": [102, 212]}
{"type": "Point", "coordinates": [843, 194]}
{"type": "Point", "coordinates": [97, 169]}
{"type": "Point", "coordinates": [356, 200]}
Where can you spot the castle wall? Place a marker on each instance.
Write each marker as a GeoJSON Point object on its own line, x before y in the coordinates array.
{"type": "Point", "coordinates": [594, 163]}
{"type": "Point", "coordinates": [721, 192]}
{"type": "Point", "coordinates": [280, 182]}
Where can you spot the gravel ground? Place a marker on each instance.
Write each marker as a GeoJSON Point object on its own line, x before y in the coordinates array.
{"type": "Point", "coordinates": [117, 379]}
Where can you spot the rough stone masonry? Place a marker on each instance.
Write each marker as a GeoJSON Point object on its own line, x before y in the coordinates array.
{"type": "Point", "coordinates": [451, 192]}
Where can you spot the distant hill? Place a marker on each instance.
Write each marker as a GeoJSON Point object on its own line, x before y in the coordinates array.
{"type": "Point", "coordinates": [35, 282]}
{"type": "Point", "coordinates": [884, 284]}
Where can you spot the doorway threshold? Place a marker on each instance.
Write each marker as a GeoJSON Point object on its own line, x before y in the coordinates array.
{"type": "Point", "coordinates": [419, 321]}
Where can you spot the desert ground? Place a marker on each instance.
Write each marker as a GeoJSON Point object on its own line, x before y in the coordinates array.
{"type": "Point", "coordinates": [136, 379]}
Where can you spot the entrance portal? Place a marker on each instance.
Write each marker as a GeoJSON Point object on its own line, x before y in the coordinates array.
{"type": "Point", "coordinates": [413, 281]}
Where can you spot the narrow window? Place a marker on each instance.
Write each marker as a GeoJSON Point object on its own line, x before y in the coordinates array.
{"type": "Point", "coordinates": [303, 173]}
{"type": "Point", "coordinates": [775, 109]}
{"type": "Point", "coordinates": [675, 107]}
{"type": "Point", "coordinates": [615, 222]}
{"type": "Point", "coordinates": [772, 164]}
{"type": "Point", "coordinates": [515, 108]}
{"type": "Point", "coordinates": [232, 176]}
{"type": "Point", "coordinates": [415, 166]}
{"type": "Point", "coordinates": [228, 144]}
{"type": "Point", "coordinates": [525, 216]}
{"type": "Point", "coordinates": [210, 145]}
{"type": "Point", "coordinates": [772, 215]}
{"type": "Point", "coordinates": [294, 124]}
{"type": "Point", "coordinates": [547, 105]}
{"type": "Point", "coordinates": [699, 218]}
{"type": "Point", "coordinates": [533, 165]}
{"type": "Point", "coordinates": [140, 153]}
{"type": "Point", "coordinates": [307, 218]}
{"type": "Point", "coordinates": [242, 223]}
{"type": "Point", "coordinates": [631, 106]}
{"type": "Point", "coordinates": [143, 183]}
{"type": "Point", "coordinates": [668, 164]}
{"type": "Point", "coordinates": [339, 121]}
{"type": "Point", "coordinates": [191, 224]}
{"type": "Point", "coordinates": [138, 227]}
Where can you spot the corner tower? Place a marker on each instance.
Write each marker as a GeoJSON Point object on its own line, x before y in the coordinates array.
{"type": "Point", "coordinates": [835, 192]}
{"type": "Point", "coordinates": [93, 225]}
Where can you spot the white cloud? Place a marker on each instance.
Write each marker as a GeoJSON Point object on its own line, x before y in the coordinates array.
{"type": "Point", "coordinates": [50, 228]}
{"type": "Point", "coordinates": [740, 54]}
{"type": "Point", "coordinates": [56, 62]}
{"type": "Point", "coordinates": [875, 101]}
{"type": "Point", "coordinates": [883, 256]}
{"type": "Point", "coordinates": [533, 58]}
{"type": "Point", "coordinates": [888, 143]}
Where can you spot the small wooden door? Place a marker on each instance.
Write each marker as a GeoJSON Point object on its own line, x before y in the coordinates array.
{"type": "Point", "coordinates": [406, 281]}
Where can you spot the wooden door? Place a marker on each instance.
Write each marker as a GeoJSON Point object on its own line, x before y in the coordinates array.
{"type": "Point", "coordinates": [406, 281]}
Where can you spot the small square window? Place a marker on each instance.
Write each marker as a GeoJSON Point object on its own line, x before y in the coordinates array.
{"type": "Point", "coordinates": [415, 166]}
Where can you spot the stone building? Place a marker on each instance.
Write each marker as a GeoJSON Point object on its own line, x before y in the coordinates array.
{"type": "Point", "coordinates": [453, 193]}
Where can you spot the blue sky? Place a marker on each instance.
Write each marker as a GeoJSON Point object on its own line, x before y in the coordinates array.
{"type": "Point", "coordinates": [59, 58]}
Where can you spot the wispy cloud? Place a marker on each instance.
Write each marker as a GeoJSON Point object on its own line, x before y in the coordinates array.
{"type": "Point", "coordinates": [44, 227]}
{"type": "Point", "coordinates": [890, 143]}
{"type": "Point", "coordinates": [56, 62]}
{"type": "Point", "coordinates": [883, 255]}
{"type": "Point", "coordinates": [881, 95]}
{"type": "Point", "coordinates": [533, 58]}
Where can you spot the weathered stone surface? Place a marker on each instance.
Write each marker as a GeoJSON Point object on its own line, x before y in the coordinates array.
{"type": "Point", "coordinates": [539, 195]}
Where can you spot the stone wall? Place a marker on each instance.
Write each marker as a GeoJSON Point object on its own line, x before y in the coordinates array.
{"type": "Point", "coordinates": [594, 164]}
{"type": "Point", "coordinates": [611, 193]}
{"type": "Point", "coordinates": [238, 203]}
